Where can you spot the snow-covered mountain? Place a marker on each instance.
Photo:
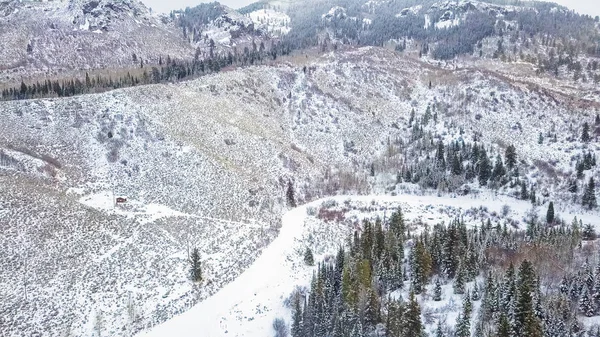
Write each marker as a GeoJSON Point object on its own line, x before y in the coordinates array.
{"type": "Point", "coordinates": [62, 39]}
{"type": "Point", "coordinates": [52, 38]}
{"type": "Point", "coordinates": [206, 163]}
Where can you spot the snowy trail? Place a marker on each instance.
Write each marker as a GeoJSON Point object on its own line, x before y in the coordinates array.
{"type": "Point", "coordinates": [262, 287]}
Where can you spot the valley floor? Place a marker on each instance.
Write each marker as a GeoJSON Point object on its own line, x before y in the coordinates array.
{"type": "Point", "coordinates": [248, 305]}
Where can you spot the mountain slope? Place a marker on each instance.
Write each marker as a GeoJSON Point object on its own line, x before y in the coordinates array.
{"type": "Point", "coordinates": [56, 36]}
{"type": "Point", "coordinates": [206, 163]}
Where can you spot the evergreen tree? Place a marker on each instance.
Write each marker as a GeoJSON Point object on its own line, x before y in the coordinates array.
{"type": "Point", "coordinates": [573, 185]}
{"type": "Point", "coordinates": [540, 139]}
{"type": "Point", "coordinates": [439, 331]}
{"type": "Point", "coordinates": [437, 291]}
{"type": "Point", "coordinates": [596, 288]}
{"type": "Point", "coordinates": [589, 195]}
{"type": "Point", "coordinates": [586, 305]}
{"type": "Point", "coordinates": [485, 168]}
{"type": "Point", "coordinates": [290, 194]}
{"type": "Point", "coordinates": [524, 193]}
{"type": "Point", "coordinates": [457, 168]}
{"type": "Point", "coordinates": [499, 171]}
{"type": "Point", "coordinates": [526, 324]}
{"type": "Point", "coordinates": [504, 329]}
{"type": "Point", "coordinates": [585, 134]}
{"type": "Point", "coordinates": [588, 233]}
{"type": "Point", "coordinates": [394, 319]}
{"type": "Point", "coordinates": [459, 281]}
{"type": "Point", "coordinates": [413, 325]}
{"type": "Point", "coordinates": [195, 265]}
{"type": "Point", "coordinates": [467, 305]}
{"type": "Point", "coordinates": [439, 156]}
{"type": "Point", "coordinates": [308, 257]}
{"type": "Point", "coordinates": [475, 296]}
{"type": "Point", "coordinates": [297, 318]}
{"type": "Point", "coordinates": [420, 264]}
{"type": "Point", "coordinates": [579, 167]}
{"type": "Point", "coordinates": [510, 157]}
{"type": "Point", "coordinates": [550, 213]}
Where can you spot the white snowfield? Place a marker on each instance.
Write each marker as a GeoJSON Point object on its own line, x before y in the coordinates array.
{"type": "Point", "coordinates": [248, 305]}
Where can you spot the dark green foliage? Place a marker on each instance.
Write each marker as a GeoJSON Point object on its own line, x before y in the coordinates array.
{"type": "Point", "coordinates": [439, 331]}
{"type": "Point", "coordinates": [524, 193]}
{"type": "Point", "coordinates": [499, 172]}
{"type": "Point", "coordinates": [437, 291]}
{"type": "Point", "coordinates": [439, 156]}
{"type": "Point", "coordinates": [290, 194]}
{"type": "Point", "coordinates": [504, 327]}
{"type": "Point", "coordinates": [589, 196]}
{"type": "Point", "coordinates": [580, 167]}
{"type": "Point", "coordinates": [195, 266]}
{"type": "Point", "coordinates": [459, 281]}
{"type": "Point", "coordinates": [172, 71]}
{"type": "Point", "coordinates": [510, 157]}
{"type": "Point", "coordinates": [476, 296]}
{"type": "Point", "coordinates": [485, 168]}
{"type": "Point", "coordinates": [297, 318]}
{"type": "Point", "coordinates": [308, 257]}
{"type": "Point", "coordinates": [413, 326]}
{"type": "Point", "coordinates": [550, 213]}
{"type": "Point", "coordinates": [573, 186]}
{"type": "Point", "coordinates": [351, 292]}
{"type": "Point", "coordinates": [457, 168]}
{"type": "Point", "coordinates": [588, 233]}
{"type": "Point", "coordinates": [585, 133]}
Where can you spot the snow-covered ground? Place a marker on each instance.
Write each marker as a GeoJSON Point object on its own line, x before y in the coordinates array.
{"type": "Point", "coordinates": [223, 148]}
{"type": "Point", "coordinates": [276, 23]}
{"type": "Point", "coordinates": [248, 305]}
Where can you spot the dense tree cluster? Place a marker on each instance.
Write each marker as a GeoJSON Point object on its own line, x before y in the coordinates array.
{"type": "Point", "coordinates": [499, 267]}
{"type": "Point", "coordinates": [394, 21]}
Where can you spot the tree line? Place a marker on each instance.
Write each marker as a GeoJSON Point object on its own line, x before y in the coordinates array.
{"type": "Point", "coordinates": [167, 70]}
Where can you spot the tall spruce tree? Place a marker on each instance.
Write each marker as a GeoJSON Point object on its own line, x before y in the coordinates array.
{"type": "Point", "coordinates": [459, 281]}
{"type": "Point", "coordinates": [290, 194]}
{"type": "Point", "coordinates": [413, 325]}
{"type": "Point", "coordinates": [585, 133]}
{"type": "Point", "coordinates": [510, 156]}
{"type": "Point", "coordinates": [485, 168]}
{"type": "Point", "coordinates": [504, 329]}
{"type": "Point", "coordinates": [550, 213]}
{"type": "Point", "coordinates": [437, 291]}
{"type": "Point", "coordinates": [589, 196]}
{"type": "Point", "coordinates": [195, 265]}
{"type": "Point", "coordinates": [308, 257]}
{"type": "Point", "coordinates": [297, 318]}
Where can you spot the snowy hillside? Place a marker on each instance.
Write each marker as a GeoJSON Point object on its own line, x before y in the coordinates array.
{"type": "Point", "coordinates": [206, 163]}
{"type": "Point", "coordinates": [51, 37]}
{"type": "Point", "coordinates": [277, 23]}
